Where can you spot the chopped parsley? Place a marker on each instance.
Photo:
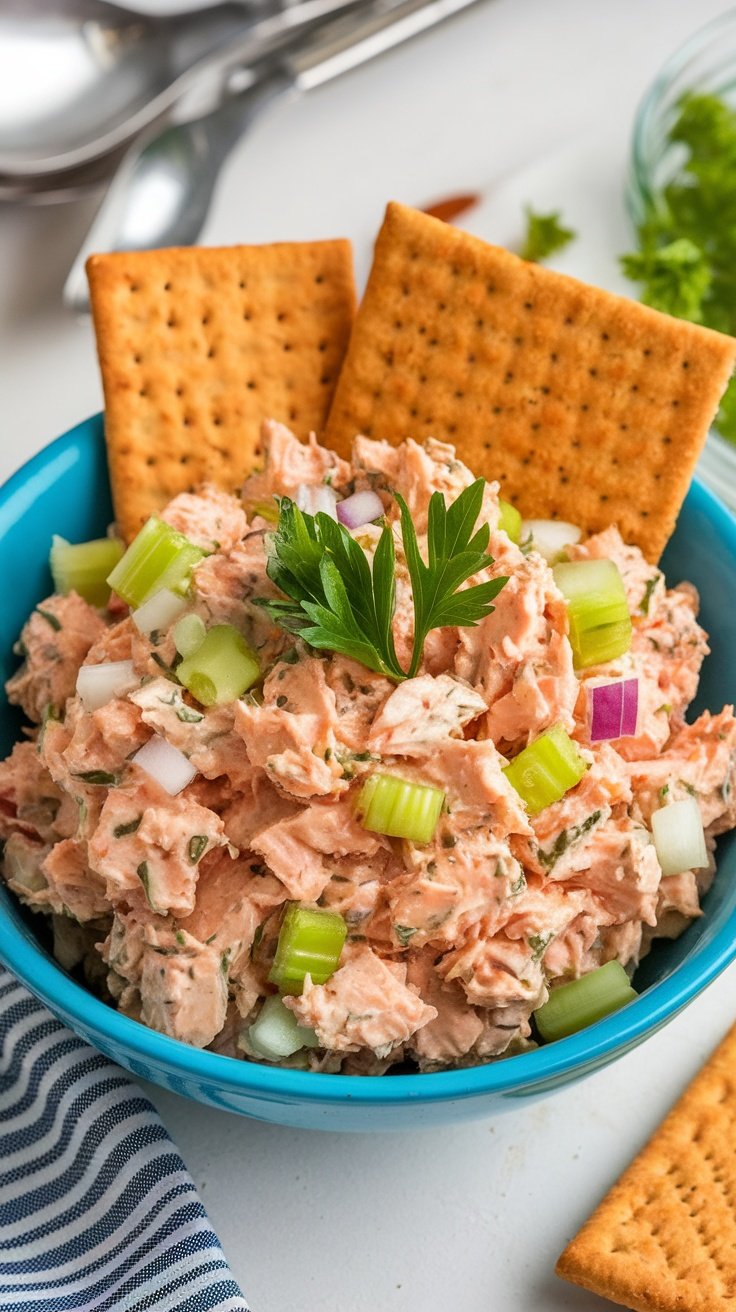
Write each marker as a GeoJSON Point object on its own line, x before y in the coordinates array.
{"type": "Point", "coordinates": [404, 933]}
{"type": "Point", "coordinates": [145, 878]}
{"type": "Point", "coordinates": [102, 777]}
{"type": "Point", "coordinates": [545, 234]}
{"type": "Point", "coordinates": [49, 618]}
{"type": "Point", "coordinates": [196, 847]}
{"type": "Point", "coordinates": [647, 597]}
{"type": "Point", "coordinates": [539, 944]}
{"type": "Point", "coordinates": [121, 830]}
{"type": "Point", "coordinates": [188, 715]}
{"type": "Point", "coordinates": [566, 838]}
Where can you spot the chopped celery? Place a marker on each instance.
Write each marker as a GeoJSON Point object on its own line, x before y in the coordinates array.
{"type": "Point", "coordinates": [276, 1033]}
{"type": "Point", "coordinates": [509, 520]}
{"type": "Point", "coordinates": [597, 609]}
{"type": "Point", "coordinates": [189, 634]}
{"type": "Point", "coordinates": [310, 943]}
{"type": "Point", "coordinates": [221, 669]}
{"type": "Point", "coordinates": [546, 769]}
{"type": "Point", "coordinates": [400, 809]}
{"type": "Point", "coordinates": [83, 567]}
{"type": "Point", "coordinates": [268, 510]}
{"type": "Point", "coordinates": [571, 1007]}
{"type": "Point", "coordinates": [159, 557]}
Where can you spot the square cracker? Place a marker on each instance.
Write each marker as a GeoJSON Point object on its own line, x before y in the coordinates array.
{"type": "Point", "coordinates": [198, 346]}
{"type": "Point", "coordinates": [586, 406]}
{"type": "Point", "coordinates": [664, 1238]}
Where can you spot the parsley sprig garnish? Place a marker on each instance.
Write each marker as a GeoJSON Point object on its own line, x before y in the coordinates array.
{"type": "Point", "coordinates": [338, 602]}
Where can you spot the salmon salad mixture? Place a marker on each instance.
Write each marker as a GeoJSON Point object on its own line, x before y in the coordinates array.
{"type": "Point", "coordinates": [357, 770]}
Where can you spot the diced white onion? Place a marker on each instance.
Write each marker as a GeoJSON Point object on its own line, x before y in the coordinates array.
{"type": "Point", "coordinates": [312, 499]}
{"type": "Point", "coordinates": [166, 764]}
{"type": "Point", "coordinates": [679, 838]}
{"type": "Point", "coordinates": [359, 509]}
{"type": "Point", "coordinates": [550, 536]}
{"type": "Point", "coordinates": [276, 1033]}
{"type": "Point", "coordinates": [98, 684]}
{"type": "Point", "coordinates": [159, 611]}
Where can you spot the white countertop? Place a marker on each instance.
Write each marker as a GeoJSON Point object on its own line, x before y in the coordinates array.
{"type": "Point", "coordinates": [470, 1218]}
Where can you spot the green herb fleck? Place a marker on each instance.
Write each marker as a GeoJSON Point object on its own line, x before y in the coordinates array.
{"type": "Point", "coordinates": [225, 962]}
{"type": "Point", "coordinates": [102, 777]}
{"type": "Point", "coordinates": [211, 938]}
{"type": "Point", "coordinates": [187, 715]}
{"type": "Point", "coordinates": [404, 933]}
{"type": "Point", "coordinates": [49, 618]}
{"type": "Point", "coordinates": [664, 790]}
{"type": "Point", "coordinates": [538, 944]}
{"type": "Point", "coordinates": [647, 597]}
{"type": "Point", "coordinates": [518, 885]}
{"type": "Point", "coordinates": [545, 234]}
{"type": "Point", "coordinates": [121, 830]}
{"type": "Point", "coordinates": [144, 876]}
{"type": "Point", "coordinates": [688, 787]}
{"type": "Point", "coordinates": [180, 938]}
{"type": "Point", "coordinates": [566, 838]}
{"type": "Point", "coordinates": [196, 847]}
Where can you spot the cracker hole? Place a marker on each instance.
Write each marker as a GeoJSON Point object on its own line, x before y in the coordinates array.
{"type": "Point", "coordinates": [480, 323]}
{"type": "Point", "coordinates": [246, 315]}
{"type": "Point", "coordinates": [134, 287]}
{"type": "Point", "coordinates": [686, 364]}
{"type": "Point", "coordinates": [554, 357]}
{"type": "Point", "coordinates": [434, 341]}
{"type": "Point", "coordinates": [518, 341]}
{"type": "Point", "coordinates": [326, 379]}
{"type": "Point", "coordinates": [183, 460]}
{"type": "Point", "coordinates": [452, 428]}
{"type": "Point", "coordinates": [368, 430]}
{"type": "Point", "coordinates": [490, 288]}
{"type": "Point", "coordinates": [528, 305]}
{"type": "Point", "coordinates": [205, 320]}
{"type": "Point", "coordinates": [569, 321]}
{"type": "Point", "coordinates": [217, 421]}
{"type": "Point", "coordinates": [498, 409]}
{"type": "Point", "coordinates": [167, 286]}
{"type": "Point", "coordinates": [405, 291]}
{"type": "Point", "coordinates": [319, 278]}
{"type": "Point", "coordinates": [634, 387]}
{"type": "Point", "coordinates": [137, 359]}
{"type": "Point", "coordinates": [180, 391]}
{"type": "Point", "coordinates": [593, 373]}
{"type": "Point", "coordinates": [292, 412]}
{"type": "Point", "coordinates": [441, 306]}
{"type": "Point", "coordinates": [675, 403]}
{"type": "Point", "coordinates": [171, 322]}
{"type": "Point", "coordinates": [322, 347]}
{"type": "Point", "coordinates": [536, 426]}
{"type": "Point", "coordinates": [487, 446]}
{"type": "Point", "coordinates": [604, 337]}
{"type": "Point", "coordinates": [150, 460]}
{"type": "Point", "coordinates": [251, 385]}
{"type": "Point", "coordinates": [422, 330]}
{"type": "Point", "coordinates": [459, 393]}
{"type": "Point", "coordinates": [281, 316]}
{"type": "Point", "coordinates": [647, 351]}
{"type": "Point", "coordinates": [509, 376]}
{"type": "Point", "coordinates": [413, 412]}
{"type": "Point", "coordinates": [211, 353]}
{"type": "Point", "coordinates": [624, 428]}
{"type": "Point", "coordinates": [185, 422]}
{"type": "Point", "coordinates": [585, 407]}
{"type": "Point", "coordinates": [241, 285]}
{"type": "Point", "coordinates": [143, 392]}
{"type": "Point", "coordinates": [398, 324]}
{"type": "Point", "coordinates": [287, 346]}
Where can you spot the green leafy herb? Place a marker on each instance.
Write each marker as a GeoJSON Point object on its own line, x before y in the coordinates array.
{"type": "Point", "coordinates": [566, 838]}
{"type": "Point", "coordinates": [102, 777]}
{"type": "Point", "coordinates": [404, 933]}
{"type": "Point", "coordinates": [686, 261]}
{"type": "Point", "coordinates": [545, 234]}
{"type": "Point", "coordinates": [121, 830]}
{"type": "Point", "coordinates": [144, 876]}
{"type": "Point", "coordinates": [647, 597]}
{"type": "Point", "coordinates": [538, 944]}
{"type": "Point", "coordinates": [338, 603]}
{"type": "Point", "coordinates": [180, 938]}
{"type": "Point", "coordinates": [188, 715]}
{"type": "Point", "coordinates": [49, 618]}
{"type": "Point", "coordinates": [196, 847]}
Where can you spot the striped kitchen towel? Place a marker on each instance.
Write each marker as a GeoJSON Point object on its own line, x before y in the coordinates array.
{"type": "Point", "coordinates": [97, 1211]}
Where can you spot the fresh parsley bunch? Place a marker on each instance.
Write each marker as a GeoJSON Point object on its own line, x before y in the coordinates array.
{"type": "Point", "coordinates": [337, 602]}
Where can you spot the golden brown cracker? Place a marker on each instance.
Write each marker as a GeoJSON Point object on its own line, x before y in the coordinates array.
{"type": "Point", "coordinates": [664, 1238]}
{"type": "Point", "coordinates": [198, 346]}
{"type": "Point", "coordinates": [586, 406]}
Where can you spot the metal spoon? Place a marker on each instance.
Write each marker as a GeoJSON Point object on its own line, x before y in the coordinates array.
{"type": "Point", "coordinates": [82, 78]}
{"type": "Point", "coordinates": [162, 192]}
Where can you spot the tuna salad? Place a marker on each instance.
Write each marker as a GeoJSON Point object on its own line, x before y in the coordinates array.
{"type": "Point", "coordinates": [356, 771]}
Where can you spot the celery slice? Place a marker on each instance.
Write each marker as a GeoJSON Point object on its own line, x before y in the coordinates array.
{"type": "Point", "coordinates": [310, 943]}
{"type": "Point", "coordinates": [546, 769]}
{"type": "Point", "coordinates": [221, 669]}
{"type": "Point", "coordinates": [159, 557]}
{"type": "Point", "coordinates": [276, 1032]}
{"type": "Point", "coordinates": [189, 634]}
{"type": "Point", "coordinates": [400, 809]}
{"type": "Point", "coordinates": [597, 608]}
{"type": "Point", "coordinates": [83, 567]}
{"type": "Point", "coordinates": [509, 520]}
{"type": "Point", "coordinates": [572, 1007]}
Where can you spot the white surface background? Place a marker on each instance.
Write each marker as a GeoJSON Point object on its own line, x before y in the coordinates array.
{"type": "Point", "coordinates": [470, 1218]}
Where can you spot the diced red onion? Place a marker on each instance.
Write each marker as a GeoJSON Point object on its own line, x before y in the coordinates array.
{"type": "Point", "coordinates": [614, 707]}
{"type": "Point", "coordinates": [166, 764]}
{"type": "Point", "coordinates": [313, 499]}
{"type": "Point", "coordinates": [678, 837]}
{"type": "Point", "coordinates": [159, 611]}
{"type": "Point", "coordinates": [98, 684]}
{"type": "Point", "coordinates": [359, 509]}
{"type": "Point", "coordinates": [550, 536]}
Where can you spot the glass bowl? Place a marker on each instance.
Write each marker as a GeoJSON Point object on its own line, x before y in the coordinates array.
{"type": "Point", "coordinates": [706, 62]}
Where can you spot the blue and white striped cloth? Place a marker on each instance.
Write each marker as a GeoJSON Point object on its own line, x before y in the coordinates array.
{"type": "Point", "coordinates": [97, 1211]}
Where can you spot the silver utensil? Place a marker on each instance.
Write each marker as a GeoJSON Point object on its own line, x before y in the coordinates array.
{"type": "Point", "coordinates": [81, 78]}
{"type": "Point", "coordinates": [163, 190]}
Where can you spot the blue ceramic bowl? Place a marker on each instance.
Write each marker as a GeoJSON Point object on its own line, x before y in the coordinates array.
{"type": "Point", "coordinates": [65, 490]}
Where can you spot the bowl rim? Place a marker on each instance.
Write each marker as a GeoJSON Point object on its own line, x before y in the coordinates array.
{"type": "Point", "coordinates": [519, 1074]}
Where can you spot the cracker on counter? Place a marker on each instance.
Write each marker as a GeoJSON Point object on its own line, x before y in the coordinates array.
{"type": "Point", "coordinates": [664, 1238]}
{"type": "Point", "coordinates": [198, 346]}
{"type": "Point", "coordinates": [586, 406]}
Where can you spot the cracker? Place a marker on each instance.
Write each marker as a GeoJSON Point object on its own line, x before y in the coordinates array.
{"type": "Point", "coordinates": [586, 406]}
{"type": "Point", "coordinates": [664, 1239]}
{"type": "Point", "coordinates": [198, 346]}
